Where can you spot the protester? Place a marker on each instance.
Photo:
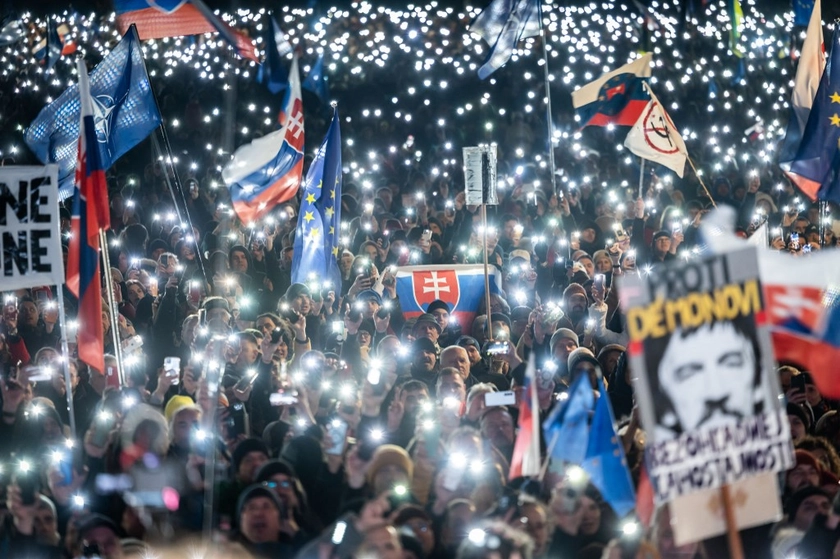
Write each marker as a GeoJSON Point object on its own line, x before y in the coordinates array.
{"type": "Point", "coordinates": [369, 413]}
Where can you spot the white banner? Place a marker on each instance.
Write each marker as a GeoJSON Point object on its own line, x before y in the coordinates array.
{"type": "Point", "coordinates": [29, 227]}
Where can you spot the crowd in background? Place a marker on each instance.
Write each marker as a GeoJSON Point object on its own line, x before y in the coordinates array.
{"type": "Point", "coordinates": [321, 421]}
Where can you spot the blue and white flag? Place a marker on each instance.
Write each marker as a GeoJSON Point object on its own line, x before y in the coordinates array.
{"type": "Point", "coordinates": [502, 25]}
{"type": "Point", "coordinates": [125, 113]}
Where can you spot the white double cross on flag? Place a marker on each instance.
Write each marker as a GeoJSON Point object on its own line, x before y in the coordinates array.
{"type": "Point", "coordinates": [296, 124]}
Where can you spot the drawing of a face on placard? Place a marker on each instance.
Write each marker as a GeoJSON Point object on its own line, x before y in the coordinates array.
{"type": "Point", "coordinates": [708, 376]}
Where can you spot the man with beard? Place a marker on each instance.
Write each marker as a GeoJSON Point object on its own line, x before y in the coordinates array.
{"type": "Point", "coordinates": [707, 377]}
{"type": "Point", "coordinates": [497, 427]}
{"type": "Point", "coordinates": [424, 365]}
{"type": "Point", "coordinates": [576, 304]}
{"type": "Point", "coordinates": [563, 343]}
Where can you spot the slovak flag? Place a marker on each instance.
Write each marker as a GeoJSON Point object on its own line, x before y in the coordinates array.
{"type": "Point", "coordinates": [156, 19]}
{"type": "Point", "coordinates": [618, 97]}
{"type": "Point", "coordinates": [801, 302]}
{"type": "Point", "coordinates": [268, 171]}
{"type": "Point", "coordinates": [803, 308]}
{"type": "Point", "coordinates": [90, 214]}
{"type": "Point", "coordinates": [461, 286]}
{"type": "Point", "coordinates": [525, 461]}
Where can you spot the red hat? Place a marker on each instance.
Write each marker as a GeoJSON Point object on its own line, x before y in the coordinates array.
{"type": "Point", "coordinates": [805, 457]}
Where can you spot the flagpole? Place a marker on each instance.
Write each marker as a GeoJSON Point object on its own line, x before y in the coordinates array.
{"type": "Point", "coordinates": [549, 120]}
{"type": "Point", "coordinates": [642, 178]}
{"type": "Point", "coordinates": [65, 350]}
{"type": "Point", "coordinates": [736, 548]}
{"type": "Point", "coordinates": [109, 294]}
{"type": "Point", "coordinates": [548, 452]}
{"type": "Point", "coordinates": [179, 187]}
{"type": "Point", "coordinates": [700, 180]}
{"type": "Point", "coordinates": [171, 162]}
{"type": "Point", "coordinates": [487, 309]}
{"type": "Point", "coordinates": [823, 206]}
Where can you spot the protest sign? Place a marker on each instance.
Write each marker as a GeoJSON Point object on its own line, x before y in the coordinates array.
{"type": "Point", "coordinates": [755, 501]}
{"type": "Point", "coordinates": [480, 175]}
{"type": "Point", "coordinates": [29, 227]}
{"type": "Point", "coordinates": [700, 347]}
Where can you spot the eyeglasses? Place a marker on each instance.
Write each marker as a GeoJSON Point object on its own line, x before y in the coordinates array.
{"type": "Point", "coordinates": [285, 484]}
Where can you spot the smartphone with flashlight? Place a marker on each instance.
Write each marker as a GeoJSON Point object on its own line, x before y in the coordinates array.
{"type": "Point", "coordinates": [172, 368]}
{"type": "Point", "coordinates": [195, 292]}
{"type": "Point", "coordinates": [103, 424]}
{"type": "Point", "coordinates": [337, 436]}
{"type": "Point", "coordinates": [506, 398]}
{"type": "Point", "coordinates": [600, 281]}
{"type": "Point", "coordinates": [497, 348]}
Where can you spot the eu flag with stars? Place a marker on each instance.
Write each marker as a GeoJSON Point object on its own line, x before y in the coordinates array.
{"type": "Point", "coordinates": [124, 110]}
{"type": "Point", "coordinates": [818, 158]}
{"type": "Point", "coordinates": [319, 219]}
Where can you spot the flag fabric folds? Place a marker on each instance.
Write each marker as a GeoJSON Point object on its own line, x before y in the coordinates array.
{"type": "Point", "coordinates": [90, 214]}
{"type": "Point", "coordinates": [461, 286]}
{"type": "Point", "coordinates": [319, 217]}
{"type": "Point", "coordinates": [594, 446]}
{"type": "Point", "coordinates": [800, 298]}
{"type": "Point", "coordinates": [525, 461]}
{"type": "Point", "coordinates": [736, 21]}
{"type": "Point", "coordinates": [502, 25]}
{"type": "Point", "coordinates": [617, 97]}
{"type": "Point", "coordinates": [605, 462]}
{"type": "Point", "coordinates": [316, 81]}
{"type": "Point", "coordinates": [124, 114]}
{"type": "Point", "coordinates": [272, 72]}
{"type": "Point", "coordinates": [816, 167]}
{"type": "Point", "coordinates": [11, 33]}
{"type": "Point", "coordinates": [566, 430]}
{"type": "Point", "coordinates": [268, 171]}
{"type": "Point", "coordinates": [654, 137]}
{"type": "Point", "coordinates": [809, 71]}
{"type": "Point", "coordinates": [48, 49]}
{"type": "Point", "coordinates": [156, 19]}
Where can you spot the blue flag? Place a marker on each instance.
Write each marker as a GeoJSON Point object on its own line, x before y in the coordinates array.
{"type": "Point", "coordinates": [817, 161]}
{"type": "Point", "coordinates": [316, 81]}
{"type": "Point", "coordinates": [802, 12]}
{"type": "Point", "coordinates": [566, 429]}
{"type": "Point", "coordinates": [319, 219]}
{"type": "Point", "coordinates": [125, 113]}
{"type": "Point", "coordinates": [502, 25]}
{"type": "Point", "coordinates": [272, 72]}
{"type": "Point", "coordinates": [605, 462]}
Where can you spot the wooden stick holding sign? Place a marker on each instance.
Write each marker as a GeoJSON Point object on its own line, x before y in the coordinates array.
{"type": "Point", "coordinates": [480, 183]}
{"type": "Point", "coordinates": [736, 549]}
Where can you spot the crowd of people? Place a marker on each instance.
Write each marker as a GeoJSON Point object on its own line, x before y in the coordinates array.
{"type": "Point", "coordinates": [248, 415]}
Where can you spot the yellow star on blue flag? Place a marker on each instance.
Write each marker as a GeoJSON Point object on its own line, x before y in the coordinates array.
{"type": "Point", "coordinates": [816, 167]}
{"type": "Point", "coordinates": [316, 241]}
